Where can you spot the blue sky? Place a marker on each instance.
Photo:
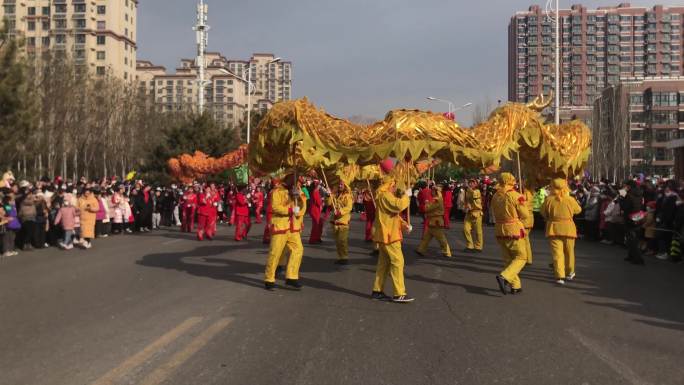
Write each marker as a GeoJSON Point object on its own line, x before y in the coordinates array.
{"type": "Point", "coordinates": [355, 57]}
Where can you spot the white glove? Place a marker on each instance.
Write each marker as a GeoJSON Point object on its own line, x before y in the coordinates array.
{"type": "Point", "coordinates": [623, 192]}
{"type": "Point", "coordinates": [295, 210]}
{"type": "Point", "coordinates": [408, 192]}
{"type": "Point", "coordinates": [410, 228]}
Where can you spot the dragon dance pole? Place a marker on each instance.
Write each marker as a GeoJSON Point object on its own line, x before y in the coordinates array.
{"type": "Point", "coordinates": [332, 197]}
{"type": "Point", "coordinates": [370, 190]}
{"type": "Point", "coordinates": [520, 181]}
{"type": "Point", "coordinates": [408, 185]}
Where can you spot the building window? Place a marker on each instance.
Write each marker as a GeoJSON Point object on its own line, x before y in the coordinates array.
{"type": "Point", "coordinates": [636, 99]}
{"type": "Point", "coordinates": [101, 24]}
{"type": "Point", "coordinates": [46, 25]}
{"type": "Point", "coordinates": [80, 54]}
{"type": "Point", "coordinates": [60, 24]}
{"type": "Point", "coordinates": [79, 8]}
{"type": "Point", "coordinates": [31, 41]}
{"type": "Point", "coordinates": [9, 9]}
{"type": "Point", "coordinates": [60, 39]}
{"type": "Point", "coordinates": [100, 55]}
{"type": "Point", "coordinates": [46, 11]}
{"type": "Point", "coordinates": [80, 39]}
{"type": "Point", "coordinates": [80, 23]}
{"type": "Point", "coordinates": [31, 25]}
{"type": "Point", "coordinates": [101, 9]}
{"type": "Point", "coordinates": [637, 135]}
{"type": "Point", "coordinates": [126, 17]}
{"type": "Point", "coordinates": [100, 70]}
{"type": "Point", "coordinates": [101, 40]}
{"type": "Point", "coordinates": [46, 41]}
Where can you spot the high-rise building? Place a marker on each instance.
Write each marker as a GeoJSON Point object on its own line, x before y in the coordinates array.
{"type": "Point", "coordinates": [632, 125]}
{"type": "Point", "coordinates": [100, 34]}
{"type": "Point", "coordinates": [598, 48]}
{"type": "Point", "coordinates": [226, 94]}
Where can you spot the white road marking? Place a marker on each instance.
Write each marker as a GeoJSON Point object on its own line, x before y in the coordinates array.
{"type": "Point", "coordinates": [172, 241]}
{"type": "Point", "coordinates": [620, 368]}
{"type": "Point", "coordinates": [163, 372]}
{"type": "Point", "coordinates": [143, 355]}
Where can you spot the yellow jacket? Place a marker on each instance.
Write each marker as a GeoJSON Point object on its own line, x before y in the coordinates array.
{"type": "Point", "coordinates": [558, 212]}
{"type": "Point", "coordinates": [529, 202]}
{"type": "Point", "coordinates": [388, 222]}
{"type": "Point", "coordinates": [343, 204]}
{"type": "Point", "coordinates": [473, 201]}
{"type": "Point", "coordinates": [435, 211]}
{"type": "Point", "coordinates": [284, 219]}
{"type": "Point", "coordinates": [509, 212]}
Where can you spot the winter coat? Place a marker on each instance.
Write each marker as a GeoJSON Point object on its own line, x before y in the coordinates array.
{"type": "Point", "coordinates": [11, 212]}
{"type": "Point", "coordinates": [67, 217]}
{"type": "Point", "coordinates": [88, 208]}
{"type": "Point", "coordinates": [27, 210]}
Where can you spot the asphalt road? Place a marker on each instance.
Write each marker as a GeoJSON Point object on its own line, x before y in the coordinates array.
{"type": "Point", "coordinates": [162, 308]}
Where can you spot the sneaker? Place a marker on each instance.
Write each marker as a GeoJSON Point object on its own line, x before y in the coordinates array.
{"type": "Point", "coordinates": [68, 247]}
{"type": "Point", "coordinates": [560, 282]}
{"type": "Point", "coordinates": [104, 235]}
{"type": "Point", "coordinates": [402, 298]}
{"type": "Point", "coordinates": [570, 277]}
{"type": "Point", "coordinates": [607, 242]}
{"type": "Point", "coordinates": [87, 245]}
{"type": "Point", "coordinates": [379, 296]}
{"type": "Point", "coordinates": [342, 262]}
{"type": "Point", "coordinates": [6, 254]}
{"type": "Point", "coordinates": [503, 284]}
{"type": "Point", "coordinates": [294, 283]}
{"type": "Point", "coordinates": [662, 256]}
{"type": "Point", "coordinates": [62, 246]}
{"type": "Point", "coordinates": [270, 286]}
{"type": "Point", "coordinates": [13, 253]}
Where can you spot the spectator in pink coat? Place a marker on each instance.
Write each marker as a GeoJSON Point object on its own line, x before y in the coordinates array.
{"type": "Point", "coordinates": [67, 217]}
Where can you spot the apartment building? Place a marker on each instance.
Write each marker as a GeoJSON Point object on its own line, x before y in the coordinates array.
{"type": "Point", "coordinates": [226, 94]}
{"type": "Point", "coordinates": [99, 34]}
{"type": "Point", "coordinates": [634, 124]}
{"type": "Point", "coordinates": [598, 48]}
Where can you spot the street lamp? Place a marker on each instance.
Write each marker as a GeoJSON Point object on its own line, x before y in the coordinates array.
{"type": "Point", "coordinates": [450, 103]}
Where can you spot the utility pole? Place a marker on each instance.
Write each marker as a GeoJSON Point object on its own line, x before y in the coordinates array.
{"type": "Point", "coordinates": [201, 29]}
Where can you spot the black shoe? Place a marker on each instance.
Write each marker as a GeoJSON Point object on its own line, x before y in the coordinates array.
{"type": "Point", "coordinates": [516, 291]}
{"type": "Point", "coordinates": [551, 265]}
{"type": "Point", "coordinates": [374, 253]}
{"type": "Point", "coordinates": [342, 262]}
{"type": "Point", "coordinates": [420, 253]}
{"type": "Point", "coordinates": [294, 283]}
{"type": "Point", "coordinates": [379, 296]}
{"type": "Point", "coordinates": [503, 284]}
{"type": "Point", "coordinates": [478, 250]}
{"type": "Point", "coordinates": [270, 286]}
{"type": "Point", "coordinates": [469, 251]}
{"type": "Point", "coordinates": [402, 298]}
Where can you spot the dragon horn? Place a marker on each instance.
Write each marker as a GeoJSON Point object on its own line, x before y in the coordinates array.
{"type": "Point", "coordinates": [540, 102]}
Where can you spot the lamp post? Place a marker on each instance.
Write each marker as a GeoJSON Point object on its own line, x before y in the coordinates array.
{"type": "Point", "coordinates": [450, 104]}
{"type": "Point", "coordinates": [556, 19]}
{"type": "Point", "coordinates": [249, 96]}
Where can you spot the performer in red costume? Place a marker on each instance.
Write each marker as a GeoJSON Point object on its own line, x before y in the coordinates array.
{"type": "Point", "coordinates": [424, 196]}
{"type": "Point", "coordinates": [206, 207]}
{"type": "Point", "coordinates": [188, 209]}
{"type": "Point", "coordinates": [242, 221]}
{"type": "Point", "coordinates": [258, 203]}
{"type": "Point", "coordinates": [231, 202]}
{"type": "Point", "coordinates": [369, 207]}
{"type": "Point", "coordinates": [213, 213]}
{"type": "Point", "coordinates": [315, 209]}
{"type": "Point", "coordinates": [448, 197]}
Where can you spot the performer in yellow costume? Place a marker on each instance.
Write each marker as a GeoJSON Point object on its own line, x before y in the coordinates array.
{"type": "Point", "coordinates": [387, 232]}
{"type": "Point", "coordinates": [434, 210]}
{"type": "Point", "coordinates": [558, 210]}
{"type": "Point", "coordinates": [289, 207]}
{"type": "Point", "coordinates": [342, 201]}
{"type": "Point", "coordinates": [528, 222]}
{"type": "Point", "coordinates": [509, 213]}
{"type": "Point", "coordinates": [473, 219]}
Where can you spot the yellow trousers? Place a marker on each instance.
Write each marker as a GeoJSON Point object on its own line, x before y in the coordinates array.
{"type": "Point", "coordinates": [515, 258]}
{"type": "Point", "coordinates": [279, 242]}
{"type": "Point", "coordinates": [390, 260]}
{"type": "Point", "coordinates": [342, 241]}
{"type": "Point", "coordinates": [563, 253]}
{"type": "Point", "coordinates": [437, 233]}
{"type": "Point", "coordinates": [528, 245]}
{"type": "Point", "coordinates": [473, 223]}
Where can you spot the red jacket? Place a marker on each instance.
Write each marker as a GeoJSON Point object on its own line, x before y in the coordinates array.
{"type": "Point", "coordinates": [448, 198]}
{"type": "Point", "coordinates": [424, 195]}
{"type": "Point", "coordinates": [207, 204]}
{"type": "Point", "coordinates": [190, 200]}
{"type": "Point", "coordinates": [315, 204]}
{"type": "Point", "coordinates": [241, 206]}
